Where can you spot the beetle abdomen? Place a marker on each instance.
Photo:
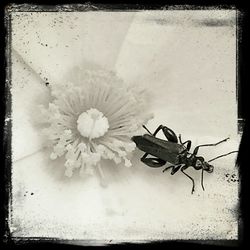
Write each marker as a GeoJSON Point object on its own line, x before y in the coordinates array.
{"type": "Point", "coordinates": [165, 150]}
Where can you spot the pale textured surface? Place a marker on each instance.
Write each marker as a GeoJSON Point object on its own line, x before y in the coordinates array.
{"type": "Point", "coordinates": [188, 67]}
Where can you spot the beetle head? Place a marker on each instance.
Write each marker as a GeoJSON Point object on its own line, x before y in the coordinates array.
{"type": "Point", "coordinates": [207, 167]}
{"type": "Point", "coordinates": [202, 164]}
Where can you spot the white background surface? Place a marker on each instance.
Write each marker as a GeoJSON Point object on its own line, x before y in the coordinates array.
{"type": "Point", "coordinates": [189, 69]}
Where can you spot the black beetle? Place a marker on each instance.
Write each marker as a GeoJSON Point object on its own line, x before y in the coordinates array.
{"type": "Point", "coordinates": [173, 152]}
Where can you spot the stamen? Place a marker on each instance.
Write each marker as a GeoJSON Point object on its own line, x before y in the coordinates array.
{"type": "Point", "coordinates": [101, 112]}
{"type": "Point", "coordinates": [92, 124]}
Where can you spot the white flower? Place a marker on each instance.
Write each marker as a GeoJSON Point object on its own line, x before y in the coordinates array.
{"type": "Point", "coordinates": [93, 118]}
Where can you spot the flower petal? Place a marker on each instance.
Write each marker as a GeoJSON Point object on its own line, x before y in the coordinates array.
{"type": "Point", "coordinates": [64, 39]}
{"type": "Point", "coordinates": [27, 92]}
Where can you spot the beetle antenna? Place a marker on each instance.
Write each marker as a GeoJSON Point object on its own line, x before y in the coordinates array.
{"type": "Point", "coordinates": [223, 155]}
{"type": "Point", "coordinates": [146, 129]}
{"type": "Point", "coordinates": [202, 171]}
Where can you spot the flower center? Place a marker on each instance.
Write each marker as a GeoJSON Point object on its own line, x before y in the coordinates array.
{"type": "Point", "coordinates": [92, 124]}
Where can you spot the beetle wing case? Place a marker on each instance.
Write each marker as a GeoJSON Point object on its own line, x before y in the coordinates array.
{"type": "Point", "coordinates": [165, 150]}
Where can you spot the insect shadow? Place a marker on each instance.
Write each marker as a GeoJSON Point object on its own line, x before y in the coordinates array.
{"type": "Point", "coordinates": [174, 152]}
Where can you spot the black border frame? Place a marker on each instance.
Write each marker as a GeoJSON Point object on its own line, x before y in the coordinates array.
{"type": "Point", "coordinates": [242, 79]}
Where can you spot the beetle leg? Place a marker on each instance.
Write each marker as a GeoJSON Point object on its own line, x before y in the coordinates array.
{"type": "Point", "coordinates": [182, 170]}
{"type": "Point", "coordinates": [188, 144]}
{"type": "Point", "coordinates": [180, 139]}
{"type": "Point", "coordinates": [146, 129]}
{"type": "Point", "coordinates": [175, 168]}
{"type": "Point", "coordinates": [205, 145]}
{"type": "Point", "coordinates": [153, 162]}
{"type": "Point", "coordinates": [183, 143]}
{"type": "Point", "coordinates": [156, 131]}
{"type": "Point", "coordinates": [169, 133]}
